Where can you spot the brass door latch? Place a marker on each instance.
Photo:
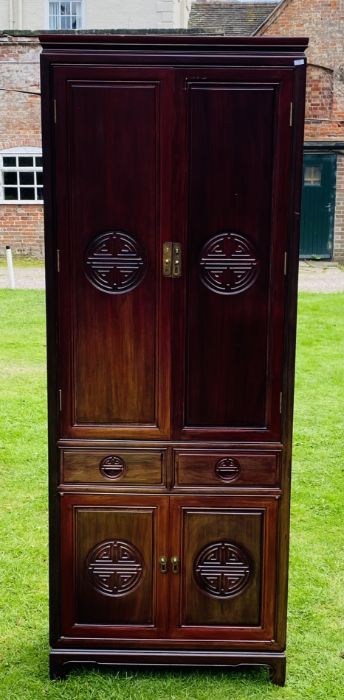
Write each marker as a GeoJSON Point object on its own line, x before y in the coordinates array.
{"type": "Point", "coordinates": [175, 565]}
{"type": "Point", "coordinates": [172, 259]}
{"type": "Point", "coordinates": [163, 565]}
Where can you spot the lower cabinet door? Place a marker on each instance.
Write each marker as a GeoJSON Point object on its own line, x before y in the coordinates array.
{"type": "Point", "coordinates": [224, 585]}
{"type": "Point", "coordinates": [111, 582]}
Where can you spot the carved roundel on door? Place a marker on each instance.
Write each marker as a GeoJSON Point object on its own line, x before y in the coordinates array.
{"type": "Point", "coordinates": [114, 567]}
{"type": "Point", "coordinates": [114, 262]}
{"type": "Point", "coordinates": [228, 263]}
{"type": "Point", "coordinates": [222, 570]}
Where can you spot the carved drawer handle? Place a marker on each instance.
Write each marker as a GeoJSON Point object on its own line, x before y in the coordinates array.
{"type": "Point", "coordinates": [227, 469]}
{"type": "Point", "coordinates": [112, 467]}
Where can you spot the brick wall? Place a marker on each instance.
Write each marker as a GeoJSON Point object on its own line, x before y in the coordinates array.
{"type": "Point", "coordinates": [338, 252]}
{"type": "Point", "coordinates": [21, 226]}
{"type": "Point", "coordinates": [323, 22]}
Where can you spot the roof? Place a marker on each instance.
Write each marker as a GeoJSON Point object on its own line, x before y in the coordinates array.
{"type": "Point", "coordinates": [230, 18]}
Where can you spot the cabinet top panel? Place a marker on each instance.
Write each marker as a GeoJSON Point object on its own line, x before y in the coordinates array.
{"type": "Point", "coordinates": [176, 41]}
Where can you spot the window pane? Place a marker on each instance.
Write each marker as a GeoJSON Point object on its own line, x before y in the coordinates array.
{"type": "Point", "coordinates": [39, 178]}
{"type": "Point", "coordinates": [25, 161]}
{"type": "Point", "coordinates": [39, 161]}
{"type": "Point", "coordinates": [53, 24]}
{"type": "Point", "coordinates": [40, 193]}
{"type": "Point", "coordinates": [10, 193]}
{"type": "Point", "coordinates": [10, 178]}
{"type": "Point", "coordinates": [27, 193]}
{"type": "Point", "coordinates": [312, 175]}
{"type": "Point", "coordinates": [9, 162]}
{"type": "Point", "coordinates": [26, 178]}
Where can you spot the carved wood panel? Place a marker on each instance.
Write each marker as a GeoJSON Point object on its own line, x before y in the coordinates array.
{"type": "Point", "coordinates": [228, 555]}
{"type": "Point", "coordinates": [114, 215]}
{"type": "Point", "coordinates": [110, 549]}
{"type": "Point", "coordinates": [230, 303]}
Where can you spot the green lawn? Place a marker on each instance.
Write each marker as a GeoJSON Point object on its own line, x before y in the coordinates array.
{"type": "Point", "coordinates": [315, 667]}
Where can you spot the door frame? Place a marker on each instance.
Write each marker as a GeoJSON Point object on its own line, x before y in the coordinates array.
{"type": "Point", "coordinates": [313, 148]}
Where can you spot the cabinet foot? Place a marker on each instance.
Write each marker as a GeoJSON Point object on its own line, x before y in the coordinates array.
{"type": "Point", "coordinates": [57, 668]}
{"type": "Point", "coordinates": [278, 671]}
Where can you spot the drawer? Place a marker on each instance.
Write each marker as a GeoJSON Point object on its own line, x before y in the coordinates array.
{"type": "Point", "coordinates": [117, 467]}
{"type": "Point", "coordinates": [226, 468]}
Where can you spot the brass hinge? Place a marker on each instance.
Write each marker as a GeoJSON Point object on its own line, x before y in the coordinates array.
{"type": "Point", "coordinates": [280, 402]}
{"type": "Point", "coordinates": [172, 259]}
{"type": "Point", "coordinates": [58, 260]}
{"type": "Point", "coordinates": [55, 118]}
{"type": "Point", "coordinates": [285, 263]}
{"type": "Point", "coordinates": [291, 114]}
{"type": "Point", "coordinates": [60, 399]}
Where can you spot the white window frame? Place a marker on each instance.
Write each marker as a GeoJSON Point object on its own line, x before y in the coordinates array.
{"type": "Point", "coordinates": [17, 153]}
{"type": "Point", "coordinates": [47, 12]}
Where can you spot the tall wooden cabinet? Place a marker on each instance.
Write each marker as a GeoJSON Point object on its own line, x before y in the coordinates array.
{"type": "Point", "coordinates": [172, 189]}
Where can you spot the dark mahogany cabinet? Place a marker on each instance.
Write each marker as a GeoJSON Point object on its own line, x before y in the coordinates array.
{"type": "Point", "coordinates": [172, 190]}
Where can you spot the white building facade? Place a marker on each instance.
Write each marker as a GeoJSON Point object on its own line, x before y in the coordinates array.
{"type": "Point", "coordinates": [93, 14]}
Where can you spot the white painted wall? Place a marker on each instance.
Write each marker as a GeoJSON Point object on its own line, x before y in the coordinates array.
{"type": "Point", "coordinates": [4, 19]}
{"type": "Point", "coordinates": [35, 14]}
{"type": "Point", "coordinates": [131, 14]}
{"type": "Point", "coordinates": [22, 14]}
{"type": "Point", "coordinates": [181, 12]}
{"type": "Point", "coordinates": [100, 14]}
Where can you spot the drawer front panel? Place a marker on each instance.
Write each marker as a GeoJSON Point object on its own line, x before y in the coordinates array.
{"type": "Point", "coordinates": [117, 467]}
{"type": "Point", "coordinates": [226, 469]}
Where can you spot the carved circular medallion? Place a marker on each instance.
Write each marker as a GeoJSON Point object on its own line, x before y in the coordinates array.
{"type": "Point", "coordinates": [228, 263]}
{"type": "Point", "coordinates": [114, 567]}
{"type": "Point", "coordinates": [227, 469]}
{"type": "Point", "coordinates": [114, 262]}
{"type": "Point", "coordinates": [112, 467]}
{"type": "Point", "coordinates": [222, 570]}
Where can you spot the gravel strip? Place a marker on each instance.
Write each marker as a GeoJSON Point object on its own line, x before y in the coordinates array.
{"type": "Point", "coordinates": [313, 277]}
{"type": "Point", "coordinates": [25, 277]}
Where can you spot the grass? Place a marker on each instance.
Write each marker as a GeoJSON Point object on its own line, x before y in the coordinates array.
{"type": "Point", "coordinates": [315, 668]}
{"type": "Point", "coordinates": [22, 261]}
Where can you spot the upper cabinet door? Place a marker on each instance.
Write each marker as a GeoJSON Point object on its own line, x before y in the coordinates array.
{"type": "Point", "coordinates": [234, 201]}
{"type": "Point", "coordinates": [113, 141]}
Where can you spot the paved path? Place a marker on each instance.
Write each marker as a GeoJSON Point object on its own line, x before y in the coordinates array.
{"type": "Point", "coordinates": [321, 277]}
{"type": "Point", "coordinates": [314, 277]}
{"type": "Point", "coordinates": [25, 277]}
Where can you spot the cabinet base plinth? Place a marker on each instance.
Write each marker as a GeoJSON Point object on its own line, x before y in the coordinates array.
{"type": "Point", "coordinates": [62, 661]}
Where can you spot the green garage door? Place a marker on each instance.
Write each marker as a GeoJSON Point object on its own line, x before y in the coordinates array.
{"type": "Point", "coordinates": [318, 204]}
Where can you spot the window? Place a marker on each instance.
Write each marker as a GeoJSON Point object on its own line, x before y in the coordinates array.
{"type": "Point", "coordinates": [21, 176]}
{"type": "Point", "coordinates": [65, 15]}
{"type": "Point", "coordinates": [312, 175]}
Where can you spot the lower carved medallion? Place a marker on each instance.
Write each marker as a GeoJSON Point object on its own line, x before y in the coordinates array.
{"type": "Point", "coordinates": [228, 263]}
{"type": "Point", "coordinates": [114, 567]}
{"type": "Point", "coordinates": [114, 262]}
{"type": "Point", "coordinates": [222, 570]}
